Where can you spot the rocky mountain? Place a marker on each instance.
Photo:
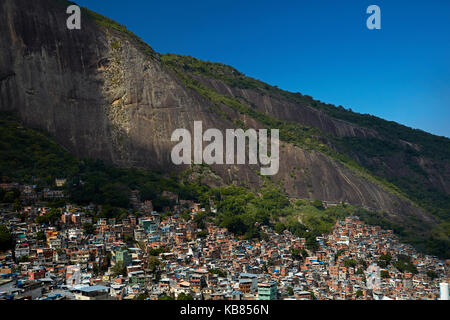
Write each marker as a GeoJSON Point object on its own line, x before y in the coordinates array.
{"type": "Point", "coordinates": [103, 93]}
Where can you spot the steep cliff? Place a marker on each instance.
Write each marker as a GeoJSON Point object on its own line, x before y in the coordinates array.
{"type": "Point", "coordinates": [102, 93]}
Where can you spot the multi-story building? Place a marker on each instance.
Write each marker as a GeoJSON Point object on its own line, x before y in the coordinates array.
{"type": "Point", "coordinates": [267, 291]}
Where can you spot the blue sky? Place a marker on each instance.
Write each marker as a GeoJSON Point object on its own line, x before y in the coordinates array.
{"type": "Point", "coordinates": [321, 48]}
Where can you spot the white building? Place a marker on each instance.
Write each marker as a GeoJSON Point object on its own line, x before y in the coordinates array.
{"type": "Point", "coordinates": [444, 290]}
{"type": "Point", "coordinates": [73, 276]}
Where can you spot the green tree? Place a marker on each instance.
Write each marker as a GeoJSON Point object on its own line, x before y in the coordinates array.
{"type": "Point", "coordinates": [11, 196]}
{"type": "Point", "coordinates": [350, 263]}
{"type": "Point", "coordinates": [384, 260]}
{"type": "Point", "coordinates": [40, 236]}
{"type": "Point", "coordinates": [404, 264]}
{"type": "Point", "coordinates": [432, 274]}
{"type": "Point", "coordinates": [202, 234]}
{"type": "Point", "coordinates": [128, 238]}
{"type": "Point", "coordinates": [116, 195]}
{"type": "Point", "coordinates": [311, 242]}
{"type": "Point", "coordinates": [290, 291]}
{"type": "Point", "coordinates": [149, 191]}
{"type": "Point", "coordinates": [200, 218]}
{"type": "Point", "coordinates": [296, 254]}
{"type": "Point", "coordinates": [183, 296]}
{"type": "Point", "coordinates": [384, 274]}
{"type": "Point", "coordinates": [42, 219]}
{"type": "Point", "coordinates": [220, 273]}
{"type": "Point", "coordinates": [96, 269]}
{"type": "Point", "coordinates": [6, 239]}
{"type": "Point", "coordinates": [279, 227]}
{"type": "Point", "coordinates": [119, 269]}
{"type": "Point", "coordinates": [362, 263]}
{"type": "Point", "coordinates": [142, 296]}
{"type": "Point", "coordinates": [17, 205]}
{"type": "Point", "coordinates": [23, 259]}
{"type": "Point", "coordinates": [156, 252]}
{"type": "Point", "coordinates": [89, 228]}
{"type": "Point", "coordinates": [318, 204]}
{"type": "Point", "coordinates": [154, 264]}
{"type": "Point", "coordinates": [186, 216]}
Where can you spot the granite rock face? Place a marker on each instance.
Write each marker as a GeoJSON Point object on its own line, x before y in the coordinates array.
{"type": "Point", "coordinates": [101, 96]}
{"type": "Point", "coordinates": [289, 111]}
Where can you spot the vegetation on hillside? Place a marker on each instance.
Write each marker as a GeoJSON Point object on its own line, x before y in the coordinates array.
{"type": "Point", "coordinates": [359, 154]}
{"type": "Point", "coordinates": [6, 240]}
{"type": "Point", "coordinates": [30, 156]}
{"type": "Point", "coordinates": [397, 145]}
{"type": "Point", "coordinates": [291, 132]}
